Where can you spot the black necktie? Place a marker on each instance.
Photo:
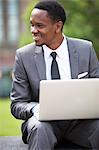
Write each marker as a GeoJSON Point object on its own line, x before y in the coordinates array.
{"type": "Point", "coordinates": [54, 67]}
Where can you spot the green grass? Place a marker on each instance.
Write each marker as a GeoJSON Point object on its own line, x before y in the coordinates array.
{"type": "Point", "coordinates": [8, 124]}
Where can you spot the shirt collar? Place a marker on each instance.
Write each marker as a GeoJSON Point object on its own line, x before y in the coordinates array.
{"type": "Point", "coordinates": [60, 50]}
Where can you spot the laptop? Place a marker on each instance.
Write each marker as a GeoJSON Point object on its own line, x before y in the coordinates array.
{"type": "Point", "coordinates": [69, 99]}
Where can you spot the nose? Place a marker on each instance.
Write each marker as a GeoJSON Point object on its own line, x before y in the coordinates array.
{"type": "Point", "coordinates": [34, 29]}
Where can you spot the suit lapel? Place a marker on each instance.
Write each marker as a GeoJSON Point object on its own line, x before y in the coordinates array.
{"type": "Point", "coordinates": [40, 63]}
{"type": "Point", "coordinates": [73, 56]}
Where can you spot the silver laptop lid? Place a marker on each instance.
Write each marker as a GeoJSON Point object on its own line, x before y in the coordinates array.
{"type": "Point", "coordinates": [69, 99]}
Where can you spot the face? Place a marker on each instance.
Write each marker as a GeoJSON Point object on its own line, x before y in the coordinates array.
{"type": "Point", "coordinates": [43, 29]}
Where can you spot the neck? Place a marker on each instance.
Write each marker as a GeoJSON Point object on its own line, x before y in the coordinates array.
{"type": "Point", "coordinates": [57, 42]}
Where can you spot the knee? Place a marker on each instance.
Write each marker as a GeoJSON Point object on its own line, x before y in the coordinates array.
{"type": "Point", "coordinates": [34, 128]}
{"type": "Point", "coordinates": [41, 126]}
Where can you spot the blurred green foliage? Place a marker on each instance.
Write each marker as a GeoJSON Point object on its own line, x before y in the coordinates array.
{"type": "Point", "coordinates": [82, 21]}
{"type": "Point", "coordinates": [8, 124]}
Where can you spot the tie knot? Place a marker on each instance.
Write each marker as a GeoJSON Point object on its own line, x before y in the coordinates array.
{"type": "Point", "coordinates": [53, 54]}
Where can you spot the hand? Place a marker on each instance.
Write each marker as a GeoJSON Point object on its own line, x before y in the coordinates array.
{"type": "Point", "coordinates": [36, 111]}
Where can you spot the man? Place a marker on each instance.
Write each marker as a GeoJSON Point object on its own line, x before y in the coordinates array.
{"type": "Point", "coordinates": [33, 64]}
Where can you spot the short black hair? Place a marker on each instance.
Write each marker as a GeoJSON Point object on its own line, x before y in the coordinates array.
{"type": "Point", "coordinates": [55, 11]}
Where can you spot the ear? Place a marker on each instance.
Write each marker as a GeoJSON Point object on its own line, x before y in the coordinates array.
{"type": "Point", "coordinates": [59, 26]}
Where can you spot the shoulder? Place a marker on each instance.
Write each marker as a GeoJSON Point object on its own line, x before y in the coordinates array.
{"type": "Point", "coordinates": [84, 48]}
{"type": "Point", "coordinates": [26, 49]}
{"type": "Point", "coordinates": [80, 45]}
{"type": "Point", "coordinates": [77, 41]}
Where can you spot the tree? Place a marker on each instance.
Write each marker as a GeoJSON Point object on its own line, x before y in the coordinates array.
{"type": "Point", "coordinates": [82, 20]}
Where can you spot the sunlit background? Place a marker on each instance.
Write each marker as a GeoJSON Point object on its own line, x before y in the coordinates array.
{"type": "Point", "coordinates": [12, 26]}
{"type": "Point", "coordinates": [82, 22]}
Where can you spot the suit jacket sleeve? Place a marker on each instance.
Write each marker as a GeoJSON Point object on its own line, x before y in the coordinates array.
{"type": "Point", "coordinates": [21, 97]}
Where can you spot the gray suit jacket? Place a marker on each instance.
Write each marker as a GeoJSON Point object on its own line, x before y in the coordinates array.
{"type": "Point", "coordinates": [30, 68]}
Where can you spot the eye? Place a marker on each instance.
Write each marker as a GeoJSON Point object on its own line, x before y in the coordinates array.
{"type": "Point", "coordinates": [31, 24]}
{"type": "Point", "coordinates": [39, 25]}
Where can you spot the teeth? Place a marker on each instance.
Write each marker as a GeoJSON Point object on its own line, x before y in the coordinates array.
{"type": "Point", "coordinates": [36, 37]}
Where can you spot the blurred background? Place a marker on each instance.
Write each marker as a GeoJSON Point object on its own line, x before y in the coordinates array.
{"type": "Point", "coordinates": [82, 22]}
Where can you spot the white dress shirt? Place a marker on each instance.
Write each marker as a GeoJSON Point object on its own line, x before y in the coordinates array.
{"type": "Point", "coordinates": [62, 59]}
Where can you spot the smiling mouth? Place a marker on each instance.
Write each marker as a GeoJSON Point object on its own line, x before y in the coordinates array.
{"type": "Point", "coordinates": [36, 38]}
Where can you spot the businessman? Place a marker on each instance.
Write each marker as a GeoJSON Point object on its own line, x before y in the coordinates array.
{"type": "Point", "coordinates": [52, 56]}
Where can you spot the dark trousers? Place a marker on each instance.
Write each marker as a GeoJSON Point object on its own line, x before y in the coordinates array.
{"type": "Point", "coordinates": [46, 135]}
